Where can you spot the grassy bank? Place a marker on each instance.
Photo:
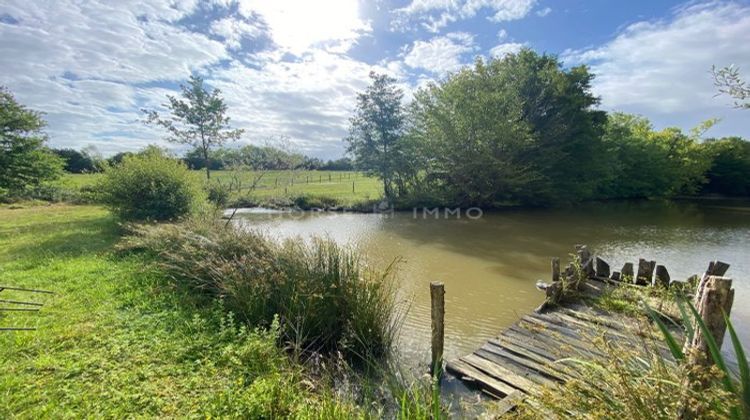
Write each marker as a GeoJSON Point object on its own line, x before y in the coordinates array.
{"type": "Point", "coordinates": [309, 188]}
{"type": "Point", "coordinates": [113, 342]}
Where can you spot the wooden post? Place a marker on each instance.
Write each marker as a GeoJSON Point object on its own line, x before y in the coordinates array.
{"type": "Point", "coordinates": [555, 269]}
{"type": "Point", "coordinates": [437, 296]}
{"type": "Point", "coordinates": [715, 299]}
{"type": "Point", "coordinates": [352, 187]}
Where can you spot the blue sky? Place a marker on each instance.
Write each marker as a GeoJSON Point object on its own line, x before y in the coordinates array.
{"type": "Point", "coordinates": [292, 68]}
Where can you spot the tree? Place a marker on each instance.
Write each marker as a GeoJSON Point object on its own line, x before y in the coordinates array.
{"type": "Point", "coordinates": [78, 161]}
{"type": "Point", "coordinates": [516, 130]}
{"type": "Point", "coordinates": [24, 159]}
{"type": "Point", "coordinates": [730, 166]}
{"type": "Point", "coordinates": [728, 81]}
{"type": "Point", "coordinates": [376, 130]}
{"type": "Point", "coordinates": [199, 120]}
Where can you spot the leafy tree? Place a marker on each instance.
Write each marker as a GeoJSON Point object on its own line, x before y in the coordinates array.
{"type": "Point", "coordinates": [78, 161]}
{"type": "Point", "coordinates": [376, 130]}
{"type": "Point", "coordinates": [648, 163]}
{"type": "Point", "coordinates": [117, 158]}
{"type": "Point", "coordinates": [199, 119]}
{"type": "Point", "coordinates": [729, 173]}
{"type": "Point", "coordinates": [24, 159]}
{"type": "Point", "coordinates": [516, 130]}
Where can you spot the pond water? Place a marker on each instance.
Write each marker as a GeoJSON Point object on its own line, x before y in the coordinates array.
{"type": "Point", "coordinates": [490, 264]}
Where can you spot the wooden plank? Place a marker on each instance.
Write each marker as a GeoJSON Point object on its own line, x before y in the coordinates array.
{"type": "Point", "coordinates": [593, 319]}
{"type": "Point", "coordinates": [559, 341]}
{"type": "Point", "coordinates": [463, 370]}
{"type": "Point", "coordinates": [502, 374]}
{"type": "Point", "coordinates": [508, 403]}
{"type": "Point", "coordinates": [522, 348]}
{"type": "Point", "coordinates": [532, 374]}
{"type": "Point", "coordinates": [529, 355]}
{"type": "Point", "coordinates": [543, 369]}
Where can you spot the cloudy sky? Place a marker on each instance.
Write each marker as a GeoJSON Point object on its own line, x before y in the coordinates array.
{"type": "Point", "coordinates": [293, 67]}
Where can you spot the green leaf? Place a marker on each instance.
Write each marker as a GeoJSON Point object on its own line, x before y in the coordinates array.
{"type": "Point", "coordinates": [674, 348]}
{"type": "Point", "coordinates": [713, 349]}
{"type": "Point", "coordinates": [743, 366]}
{"type": "Point", "coordinates": [685, 318]}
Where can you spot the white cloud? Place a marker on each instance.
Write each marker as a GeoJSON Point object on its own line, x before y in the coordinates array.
{"type": "Point", "coordinates": [234, 30]}
{"type": "Point", "coordinates": [502, 34]}
{"type": "Point", "coordinates": [544, 12]}
{"type": "Point", "coordinates": [91, 67]}
{"type": "Point", "coordinates": [440, 54]}
{"type": "Point", "coordinates": [436, 14]}
{"type": "Point", "coordinates": [506, 48]}
{"type": "Point", "coordinates": [661, 68]}
{"type": "Point", "coordinates": [296, 25]}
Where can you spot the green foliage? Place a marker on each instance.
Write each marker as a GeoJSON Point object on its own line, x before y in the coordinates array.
{"type": "Point", "coordinates": [114, 342]}
{"type": "Point", "coordinates": [218, 193]}
{"type": "Point", "coordinates": [729, 173]}
{"type": "Point", "coordinates": [328, 302]}
{"type": "Point", "coordinates": [25, 162]}
{"type": "Point", "coordinates": [199, 119]}
{"type": "Point", "coordinates": [741, 389]}
{"type": "Point", "coordinates": [646, 163]}
{"type": "Point", "coordinates": [376, 130]}
{"type": "Point", "coordinates": [150, 186]}
{"type": "Point", "coordinates": [508, 131]}
{"type": "Point", "coordinates": [79, 162]}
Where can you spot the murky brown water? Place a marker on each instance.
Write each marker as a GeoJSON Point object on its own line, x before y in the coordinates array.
{"type": "Point", "coordinates": [489, 265]}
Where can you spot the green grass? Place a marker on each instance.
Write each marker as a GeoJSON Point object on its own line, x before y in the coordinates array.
{"type": "Point", "coordinates": [114, 342]}
{"type": "Point", "coordinates": [278, 186]}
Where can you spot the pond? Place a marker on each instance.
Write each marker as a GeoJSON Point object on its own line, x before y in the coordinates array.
{"type": "Point", "coordinates": [490, 261]}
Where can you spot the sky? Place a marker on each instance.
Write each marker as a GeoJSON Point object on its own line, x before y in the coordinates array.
{"type": "Point", "coordinates": [292, 68]}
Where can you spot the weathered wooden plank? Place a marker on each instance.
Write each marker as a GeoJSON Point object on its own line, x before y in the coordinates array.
{"type": "Point", "coordinates": [465, 371]}
{"type": "Point", "coordinates": [502, 374]}
{"type": "Point", "coordinates": [508, 403]}
{"type": "Point", "coordinates": [523, 348]}
{"type": "Point", "coordinates": [594, 319]}
{"type": "Point", "coordinates": [557, 340]}
{"type": "Point", "coordinates": [529, 357]}
{"type": "Point", "coordinates": [524, 367]}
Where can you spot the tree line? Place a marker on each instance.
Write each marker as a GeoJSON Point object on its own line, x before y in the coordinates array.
{"type": "Point", "coordinates": [88, 160]}
{"type": "Point", "coordinates": [524, 130]}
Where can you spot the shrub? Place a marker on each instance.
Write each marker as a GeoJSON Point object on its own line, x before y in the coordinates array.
{"type": "Point", "coordinates": [218, 194]}
{"type": "Point", "coordinates": [150, 186]}
{"type": "Point", "coordinates": [326, 300]}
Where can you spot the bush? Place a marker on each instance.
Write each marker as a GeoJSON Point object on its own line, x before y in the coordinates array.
{"type": "Point", "coordinates": [150, 186]}
{"type": "Point", "coordinates": [326, 300]}
{"type": "Point", "coordinates": [218, 194]}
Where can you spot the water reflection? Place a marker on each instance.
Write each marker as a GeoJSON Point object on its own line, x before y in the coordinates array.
{"type": "Point", "coordinates": [489, 265]}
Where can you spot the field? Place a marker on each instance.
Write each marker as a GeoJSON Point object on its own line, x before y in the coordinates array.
{"type": "Point", "coordinates": [344, 187]}
{"type": "Point", "coordinates": [114, 342]}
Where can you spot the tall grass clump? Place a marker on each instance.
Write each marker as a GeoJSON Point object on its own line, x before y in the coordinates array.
{"type": "Point", "coordinates": [325, 297]}
{"type": "Point", "coordinates": [150, 186]}
{"type": "Point", "coordinates": [662, 385]}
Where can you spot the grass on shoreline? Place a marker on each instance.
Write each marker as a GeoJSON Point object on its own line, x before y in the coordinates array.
{"type": "Point", "coordinates": [277, 188]}
{"type": "Point", "coordinates": [110, 343]}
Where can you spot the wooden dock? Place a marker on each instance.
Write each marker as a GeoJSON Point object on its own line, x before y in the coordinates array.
{"type": "Point", "coordinates": [525, 357]}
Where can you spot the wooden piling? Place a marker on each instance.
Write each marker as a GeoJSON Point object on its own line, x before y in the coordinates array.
{"type": "Point", "coordinates": [712, 302]}
{"type": "Point", "coordinates": [437, 297]}
{"type": "Point", "coordinates": [555, 269]}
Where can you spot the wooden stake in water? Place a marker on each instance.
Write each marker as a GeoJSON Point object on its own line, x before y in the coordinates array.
{"type": "Point", "coordinates": [437, 296]}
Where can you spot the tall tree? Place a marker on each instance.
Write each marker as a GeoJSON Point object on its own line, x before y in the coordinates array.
{"type": "Point", "coordinates": [199, 119]}
{"type": "Point", "coordinates": [24, 159]}
{"type": "Point", "coordinates": [376, 130]}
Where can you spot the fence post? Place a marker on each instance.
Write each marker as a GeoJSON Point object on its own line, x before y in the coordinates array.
{"type": "Point", "coordinates": [352, 187]}
{"type": "Point", "coordinates": [437, 297]}
{"type": "Point", "coordinates": [712, 301]}
{"type": "Point", "coordinates": [555, 269]}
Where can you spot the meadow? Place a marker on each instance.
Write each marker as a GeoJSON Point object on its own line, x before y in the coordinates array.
{"type": "Point", "coordinates": [344, 188]}
{"type": "Point", "coordinates": [114, 341]}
